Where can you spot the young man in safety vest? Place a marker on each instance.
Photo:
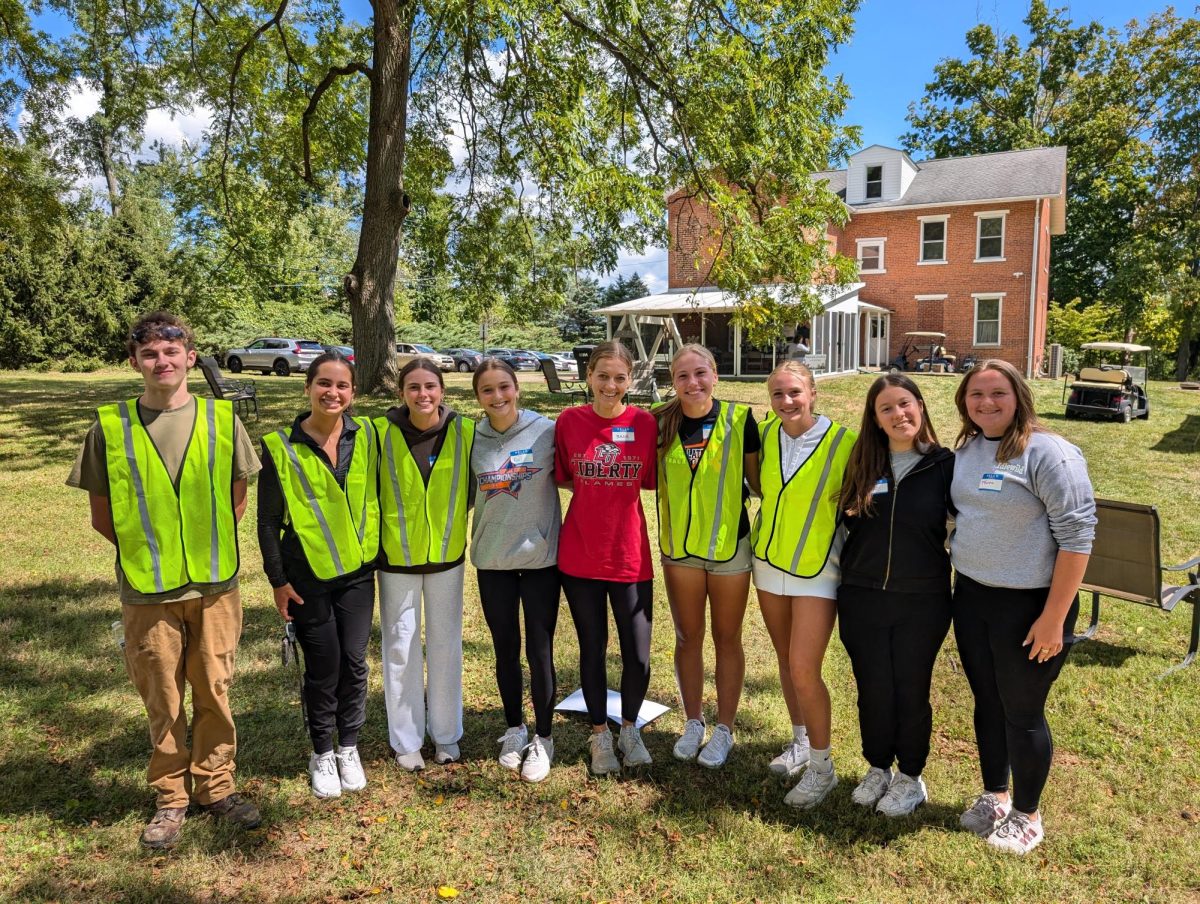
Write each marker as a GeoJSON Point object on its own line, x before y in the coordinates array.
{"type": "Point", "coordinates": [166, 479]}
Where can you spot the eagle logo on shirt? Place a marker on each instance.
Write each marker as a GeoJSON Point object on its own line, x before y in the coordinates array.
{"type": "Point", "coordinates": [505, 479]}
{"type": "Point", "coordinates": [606, 453]}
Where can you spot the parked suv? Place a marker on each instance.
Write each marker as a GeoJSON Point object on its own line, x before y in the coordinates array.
{"type": "Point", "coordinates": [274, 355]}
{"type": "Point", "coordinates": [465, 359]}
{"type": "Point", "coordinates": [519, 360]}
{"type": "Point", "coordinates": [445, 362]}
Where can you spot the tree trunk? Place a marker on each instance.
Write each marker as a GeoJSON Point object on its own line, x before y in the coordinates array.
{"type": "Point", "coordinates": [372, 280]}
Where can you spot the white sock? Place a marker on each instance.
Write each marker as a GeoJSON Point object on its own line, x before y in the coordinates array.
{"type": "Point", "coordinates": [821, 759]}
{"type": "Point", "coordinates": [800, 733]}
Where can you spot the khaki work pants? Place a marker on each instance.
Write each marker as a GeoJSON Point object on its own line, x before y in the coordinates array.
{"type": "Point", "coordinates": [166, 644]}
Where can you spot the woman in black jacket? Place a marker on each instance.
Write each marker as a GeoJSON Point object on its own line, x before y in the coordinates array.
{"type": "Point", "coordinates": [894, 600]}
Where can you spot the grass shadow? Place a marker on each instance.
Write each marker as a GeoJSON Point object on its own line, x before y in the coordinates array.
{"type": "Point", "coordinates": [1184, 438]}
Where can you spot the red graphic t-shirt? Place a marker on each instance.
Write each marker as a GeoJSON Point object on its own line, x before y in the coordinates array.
{"type": "Point", "coordinates": [608, 461]}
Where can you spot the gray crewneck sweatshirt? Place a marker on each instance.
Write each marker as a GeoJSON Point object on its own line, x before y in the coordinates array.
{"type": "Point", "coordinates": [517, 513]}
{"type": "Point", "coordinates": [1014, 517]}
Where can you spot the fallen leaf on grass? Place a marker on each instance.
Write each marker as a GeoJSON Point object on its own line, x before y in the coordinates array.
{"type": "Point", "coordinates": [439, 800]}
{"type": "Point", "coordinates": [563, 803]}
{"type": "Point", "coordinates": [447, 891]}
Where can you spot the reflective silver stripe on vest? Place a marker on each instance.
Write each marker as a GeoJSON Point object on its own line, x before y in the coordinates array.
{"type": "Point", "coordinates": [362, 521]}
{"type": "Point", "coordinates": [391, 459]}
{"type": "Point", "coordinates": [215, 542]}
{"type": "Point", "coordinates": [313, 503]}
{"type": "Point", "coordinates": [458, 441]}
{"type": "Point", "coordinates": [712, 541]}
{"type": "Point", "coordinates": [143, 510]}
{"type": "Point", "coordinates": [816, 500]}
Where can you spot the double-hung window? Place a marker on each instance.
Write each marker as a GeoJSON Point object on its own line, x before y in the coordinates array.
{"type": "Point", "coordinates": [989, 235]}
{"type": "Point", "coordinates": [874, 182]}
{"type": "Point", "coordinates": [870, 255]}
{"type": "Point", "coordinates": [933, 239]}
{"type": "Point", "coordinates": [987, 318]}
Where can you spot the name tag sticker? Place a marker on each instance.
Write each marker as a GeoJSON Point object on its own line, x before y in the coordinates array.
{"type": "Point", "coordinates": [993, 483]}
{"type": "Point", "coordinates": [881, 487]}
{"type": "Point", "coordinates": [521, 456]}
{"type": "Point", "coordinates": [622, 434]}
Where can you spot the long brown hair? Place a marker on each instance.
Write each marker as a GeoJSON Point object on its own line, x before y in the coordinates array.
{"type": "Point", "coordinates": [670, 414]}
{"type": "Point", "coordinates": [613, 348]}
{"type": "Point", "coordinates": [491, 363]}
{"type": "Point", "coordinates": [869, 459]}
{"type": "Point", "coordinates": [1025, 421]}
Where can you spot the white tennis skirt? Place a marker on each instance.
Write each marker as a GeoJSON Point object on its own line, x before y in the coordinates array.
{"type": "Point", "coordinates": [824, 585]}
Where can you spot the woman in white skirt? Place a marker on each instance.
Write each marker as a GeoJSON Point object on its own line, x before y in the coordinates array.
{"type": "Point", "coordinates": [796, 540]}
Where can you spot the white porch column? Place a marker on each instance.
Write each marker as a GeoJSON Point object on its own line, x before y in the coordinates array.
{"type": "Point", "coordinates": [737, 349]}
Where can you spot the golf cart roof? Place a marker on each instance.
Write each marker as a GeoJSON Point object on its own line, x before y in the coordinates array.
{"type": "Point", "coordinates": [1116, 347]}
{"type": "Point", "coordinates": [933, 335]}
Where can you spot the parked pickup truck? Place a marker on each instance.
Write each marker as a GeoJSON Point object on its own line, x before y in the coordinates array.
{"type": "Point", "coordinates": [408, 350]}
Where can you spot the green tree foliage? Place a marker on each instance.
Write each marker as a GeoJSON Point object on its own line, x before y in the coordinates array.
{"type": "Point", "coordinates": [578, 322]}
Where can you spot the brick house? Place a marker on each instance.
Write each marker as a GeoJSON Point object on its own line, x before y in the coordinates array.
{"type": "Point", "coordinates": [958, 245]}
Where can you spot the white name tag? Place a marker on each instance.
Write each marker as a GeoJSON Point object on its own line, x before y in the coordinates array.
{"type": "Point", "coordinates": [881, 487]}
{"type": "Point", "coordinates": [521, 456]}
{"type": "Point", "coordinates": [622, 434]}
{"type": "Point", "coordinates": [706, 431]}
{"type": "Point", "coordinates": [993, 483]}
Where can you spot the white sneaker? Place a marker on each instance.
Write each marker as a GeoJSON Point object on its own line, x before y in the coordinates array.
{"type": "Point", "coordinates": [985, 814]}
{"type": "Point", "coordinates": [1018, 834]}
{"type": "Point", "coordinates": [410, 762]}
{"type": "Point", "coordinates": [350, 769]}
{"type": "Point", "coordinates": [873, 786]}
{"type": "Point", "coordinates": [537, 760]}
{"type": "Point", "coordinates": [689, 742]}
{"type": "Point", "coordinates": [716, 751]}
{"type": "Point", "coordinates": [811, 789]}
{"type": "Point", "coordinates": [512, 744]}
{"type": "Point", "coordinates": [904, 795]}
{"type": "Point", "coordinates": [604, 761]}
{"type": "Point", "coordinates": [445, 753]}
{"type": "Point", "coordinates": [789, 763]}
{"type": "Point", "coordinates": [322, 770]}
{"type": "Point", "coordinates": [632, 748]}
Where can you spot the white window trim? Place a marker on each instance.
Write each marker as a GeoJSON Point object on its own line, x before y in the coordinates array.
{"type": "Point", "coordinates": [867, 181]}
{"type": "Point", "coordinates": [980, 216]}
{"type": "Point", "coordinates": [931, 297]}
{"type": "Point", "coordinates": [981, 296]}
{"type": "Point", "coordinates": [882, 243]}
{"type": "Point", "coordinates": [939, 218]}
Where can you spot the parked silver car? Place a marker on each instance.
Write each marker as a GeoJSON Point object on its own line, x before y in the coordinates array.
{"type": "Point", "coordinates": [274, 355]}
{"type": "Point", "coordinates": [445, 362]}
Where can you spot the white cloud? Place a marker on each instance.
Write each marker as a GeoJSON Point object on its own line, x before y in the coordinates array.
{"type": "Point", "coordinates": [172, 129]}
{"type": "Point", "coordinates": [650, 265]}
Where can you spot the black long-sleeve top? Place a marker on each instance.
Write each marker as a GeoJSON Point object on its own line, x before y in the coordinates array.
{"type": "Point", "coordinates": [283, 556]}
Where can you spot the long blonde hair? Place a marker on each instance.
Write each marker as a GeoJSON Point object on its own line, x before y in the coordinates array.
{"type": "Point", "coordinates": [798, 368]}
{"type": "Point", "coordinates": [670, 414]}
{"type": "Point", "coordinates": [1025, 421]}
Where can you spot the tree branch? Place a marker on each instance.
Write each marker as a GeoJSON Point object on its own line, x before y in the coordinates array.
{"type": "Point", "coordinates": [330, 77]}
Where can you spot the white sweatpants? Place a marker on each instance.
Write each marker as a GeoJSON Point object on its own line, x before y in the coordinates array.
{"type": "Point", "coordinates": [404, 688]}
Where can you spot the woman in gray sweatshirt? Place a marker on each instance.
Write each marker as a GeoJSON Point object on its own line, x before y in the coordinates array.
{"type": "Point", "coordinates": [1023, 533]}
{"type": "Point", "coordinates": [514, 546]}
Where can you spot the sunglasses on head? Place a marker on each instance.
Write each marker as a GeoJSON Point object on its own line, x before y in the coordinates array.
{"type": "Point", "coordinates": [157, 331]}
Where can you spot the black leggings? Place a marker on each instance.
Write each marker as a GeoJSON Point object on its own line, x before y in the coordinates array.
{"type": "Point", "coordinates": [332, 627]}
{"type": "Point", "coordinates": [1010, 689]}
{"type": "Point", "coordinates": [503, 595]}
{"type": "Point", "coordinates": [893, 641]}
{"type": "Point", "coordinates": [633, 611]}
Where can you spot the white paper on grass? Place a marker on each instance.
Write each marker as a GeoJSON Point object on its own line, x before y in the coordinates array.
{"type": "Point", "coordinates": [647, 714]}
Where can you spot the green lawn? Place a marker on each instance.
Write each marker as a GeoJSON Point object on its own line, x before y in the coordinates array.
{"type": "Point", "coordinates": [1122, 807]}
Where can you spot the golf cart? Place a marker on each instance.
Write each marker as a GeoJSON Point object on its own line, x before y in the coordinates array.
{"type": "Point", "coordinates": [1113, 391]}
{"type": "Point", "coordinates": [934, 349]}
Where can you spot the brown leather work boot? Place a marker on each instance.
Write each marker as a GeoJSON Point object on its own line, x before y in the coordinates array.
{"type": "Point", "coordinates": [161, 832]}
{"type": "Point", "coordinates": [235, 809]}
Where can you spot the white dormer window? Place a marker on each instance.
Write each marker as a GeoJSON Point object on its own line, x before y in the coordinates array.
{"type": "Point", "coordinates": [933, 239]}
{"type": "Point", "coordinates": [870, 255]}
{"type": "Point", "coordinates": [874, 182]}
{"type": "Point", "coordinates": [989, 235]}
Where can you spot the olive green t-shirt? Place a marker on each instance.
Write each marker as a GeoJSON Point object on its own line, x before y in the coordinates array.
{"type": "Point", "coordinates": [170, 431]}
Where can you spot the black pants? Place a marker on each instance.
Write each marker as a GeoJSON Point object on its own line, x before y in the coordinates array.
{"type": "Point", "coordinates": [333, 626]}
{"type": "Point", "coordinates": [1010, 689]}
{"type": "Point", "coordinates": [633, 611]}
{"type": "Point", "coordinates": [893, 641]}
{"type": "Point", "coordinates": [503, 595]}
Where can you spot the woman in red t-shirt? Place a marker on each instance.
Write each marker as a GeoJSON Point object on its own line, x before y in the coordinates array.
{"type": "Point", "coordinates": [605, 452]}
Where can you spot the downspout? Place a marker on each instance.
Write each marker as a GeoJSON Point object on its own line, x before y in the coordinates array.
{"type": "Point", "coordinates": [1035, 275]}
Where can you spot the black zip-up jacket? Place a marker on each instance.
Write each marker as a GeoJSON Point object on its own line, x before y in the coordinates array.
{"type": "Point", "coordinates": [901, 545]}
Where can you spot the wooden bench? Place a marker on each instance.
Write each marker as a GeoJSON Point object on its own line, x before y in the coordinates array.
{"type": "Point", "coordinates": [243, 393]}
{"type": "Point", "coordinates": [570, 388]}
{"type": "Point", "coordinates": [1126, 563]}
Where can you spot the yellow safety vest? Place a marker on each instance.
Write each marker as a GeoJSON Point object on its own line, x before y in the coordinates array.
{"type": "Point", "coordinates": [699, 510]}
{"type": "Point", "coordinates": [424, 523]}
{"type": "Point", "coordinates": [338, 528]}
{"type": "Point", "coordinates": [795, 527]}
{"type": "Point", "coordinates": [168, 538]}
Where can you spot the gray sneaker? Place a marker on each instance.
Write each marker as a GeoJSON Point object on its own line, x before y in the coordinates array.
{"type": "Point", "coordinates": [716, 751]}
{"type": "Point", "coordinates": [445, 753]}
{"type": "Point", "coordinates": [1018, 834]}
{"type": "Point", "coordinates": [350, 769]}
{"type": "Point", "coordinates": [512, 743]}
{"type": "Point", "coordinates": [604, 761]}
{"type": "Point", "coordinates": [410, 762]}
{"type": "Point", "coordinates": [789, 763]}
{"type": "Point", "coordinates": [872, 788]}
{"type": "Point", "coordinates": [904, 795]}
{"type": "Point", "coordinates": [537, 759]}
{"type": "Point", "coordinates": [985, 814]}
{"type": "Point", "coordinates": [632, 748]}
{"type": "Point", "coordinates": [690, 741]}
{"type": "Point", "coordinates": [323, 775]}
{"type": "Point", "coordinates": [811, 789]}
